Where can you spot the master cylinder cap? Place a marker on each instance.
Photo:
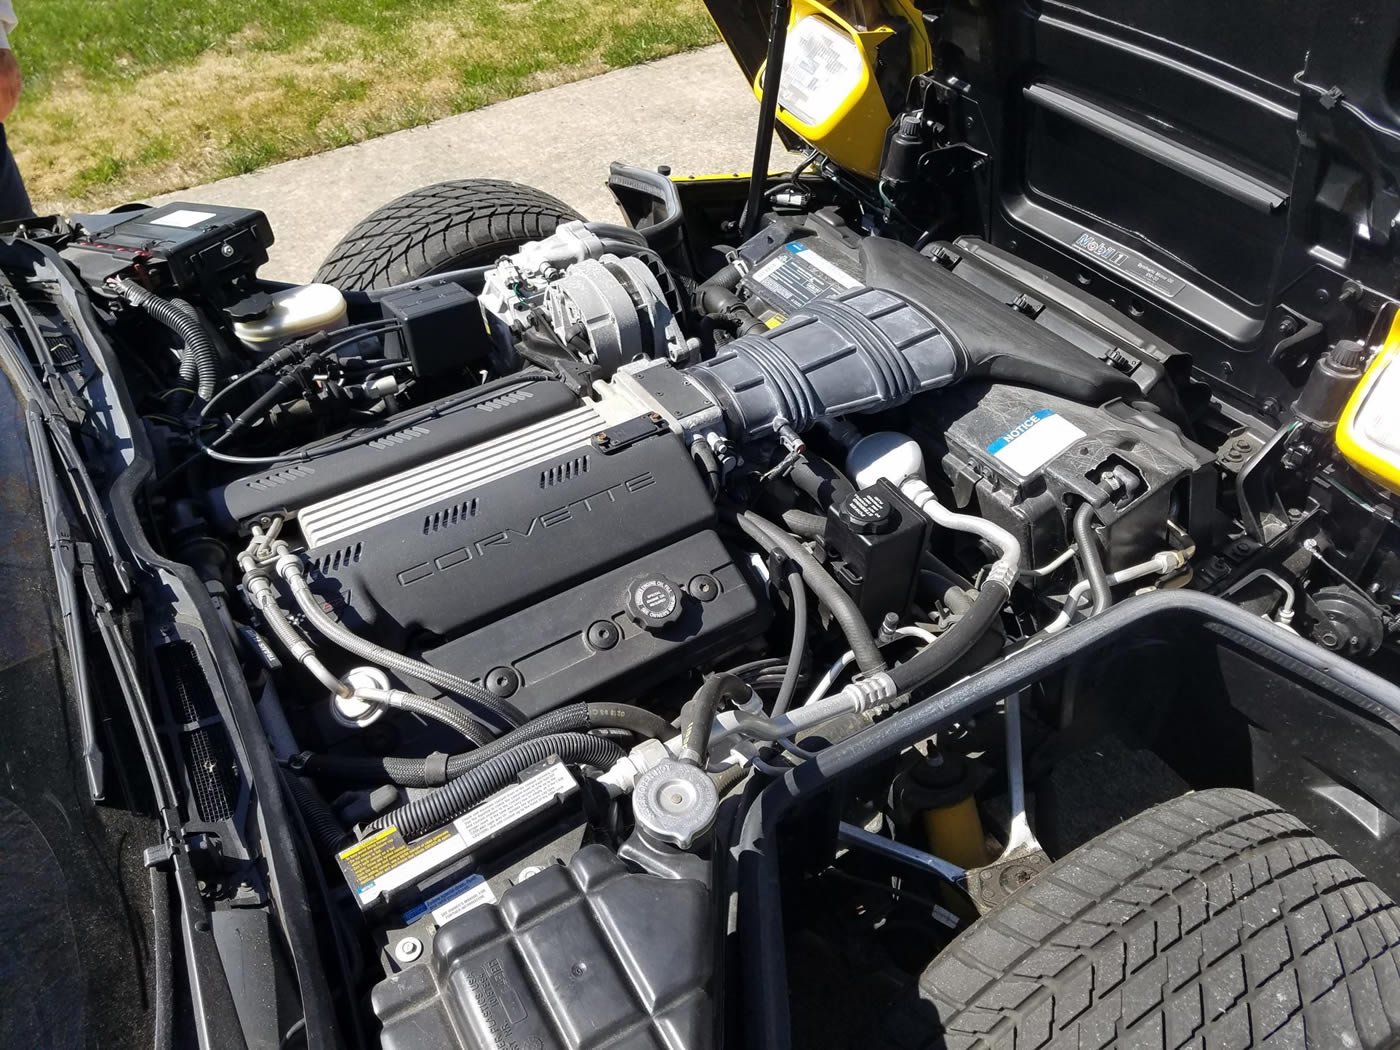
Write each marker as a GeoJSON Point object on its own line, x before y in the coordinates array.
{"type": "Point", "coordinates": [675, 803]}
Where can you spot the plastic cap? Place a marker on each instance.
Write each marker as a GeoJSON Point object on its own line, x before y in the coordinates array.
{"type": "Point", "coordinates": [885, 454]}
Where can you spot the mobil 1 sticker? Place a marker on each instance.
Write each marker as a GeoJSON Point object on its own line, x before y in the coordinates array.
{"type": "Point", "coordinates": [1129, 263]}
{"type": "Point", "coordinates": [1035, 441]}
{"type": "Point", "coordinates": [797, 275]}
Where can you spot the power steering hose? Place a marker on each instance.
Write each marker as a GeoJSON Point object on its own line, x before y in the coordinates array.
{"type": "Point", "coordinates": [1086, 547]}
{"type": "Point", "coordinates": [496, 714]}
{"type": "Point", "coordinates": [199, 361]}
{"type": "Point", "coordinates": [848, 617]}
{"type": "Point", "coordinates": [458, 796]}
{"type": "Point", "coordinates": [439, 769]}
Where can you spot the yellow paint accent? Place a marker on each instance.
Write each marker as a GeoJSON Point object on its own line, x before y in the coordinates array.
{"type": "Point", "coordinates": [1380, 464]}
{"type": "Point", "coordinates": [854, 135]}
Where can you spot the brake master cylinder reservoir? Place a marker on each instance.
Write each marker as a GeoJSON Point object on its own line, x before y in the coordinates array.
{"type": "Point", "coordinates": [293, 313]}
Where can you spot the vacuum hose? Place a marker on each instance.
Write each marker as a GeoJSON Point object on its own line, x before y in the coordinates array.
{"type": "Point", "coordinates": [450, 801]}
{"type": "Point", "coordinates": [199, 361]}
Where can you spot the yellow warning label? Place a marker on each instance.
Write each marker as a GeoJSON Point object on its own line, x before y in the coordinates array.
{"type": "Point", "coordinates": [385, 853]}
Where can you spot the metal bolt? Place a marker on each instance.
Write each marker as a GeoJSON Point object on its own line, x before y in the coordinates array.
{"type": "Point", "coordinates": [408, 949]}
{"type": "Point", "coordinates": [226, 251]}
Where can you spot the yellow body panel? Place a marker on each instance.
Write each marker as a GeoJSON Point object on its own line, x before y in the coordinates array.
{"type": "Point", "coordinates": [1376, 400]}
{"type": "Point", "coordinates": [853, 134]}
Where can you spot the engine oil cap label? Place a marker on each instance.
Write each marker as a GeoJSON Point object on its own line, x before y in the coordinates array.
{"type": "Point", "coordinates": [797, 275]}
{"type": "Point", "coordinates": [1129, 263]}
{"type": "Point", "coordinates": [1035, 441]}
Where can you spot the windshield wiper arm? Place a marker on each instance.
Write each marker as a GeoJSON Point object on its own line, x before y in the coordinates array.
{"type": "Point", "coordinates": [54, 430]}
{"type": "Point", "coordinates": [68, 556]}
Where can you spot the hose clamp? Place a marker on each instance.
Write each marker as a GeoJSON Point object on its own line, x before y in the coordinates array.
{"type": "Point", "coordinates": [870, 692]}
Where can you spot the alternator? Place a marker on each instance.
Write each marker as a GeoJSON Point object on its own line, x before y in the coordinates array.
{"type": "Point", "coordinates": [610, 309]}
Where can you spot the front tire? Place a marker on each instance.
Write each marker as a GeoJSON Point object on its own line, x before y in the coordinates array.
{"type": "Point", "coordinates": [445, 226]}
{"type": "Point", "coordinates": [1214, 920]}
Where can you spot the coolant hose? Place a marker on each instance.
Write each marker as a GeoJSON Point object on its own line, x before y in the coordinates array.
{"type": "Point", "coordinates": [936, 657]}
{"type": "Point", "coordinates": [433, 772]}
{"type": "Point", "coordinates": [847, 615]}
{"type": "Point", "coordinates": [450, 801]}
{"type": "Point", "coordinates": [820, 480]}
{"type": "Point", "coordinates": [1090, 560]}
{"type": "Point", "coordinates": [493, 712]}
{"type": "Point", "coordinates": [698, 715]}
{"type": "Point", "coordinates": [808, 526]}
{"type": "Point", "coordinates": [199, 361]}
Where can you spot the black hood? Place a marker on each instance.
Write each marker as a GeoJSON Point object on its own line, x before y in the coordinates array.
{"type": "Point", "coordinates": [1226, 173]}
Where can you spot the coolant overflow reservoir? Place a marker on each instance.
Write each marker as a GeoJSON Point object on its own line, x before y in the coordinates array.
{"type": "Point", "coordinates": [294, 313]}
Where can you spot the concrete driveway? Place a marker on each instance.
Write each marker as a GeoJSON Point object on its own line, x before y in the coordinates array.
{"type": "Point", "coordinates": [692, 111]}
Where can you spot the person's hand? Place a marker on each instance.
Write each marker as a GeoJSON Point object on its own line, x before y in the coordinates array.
{"type": "Point", "coordinates": [10, 83]}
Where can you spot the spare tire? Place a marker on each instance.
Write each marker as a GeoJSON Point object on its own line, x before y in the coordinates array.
{"type": "Point", "coordinates": [445, 226]}
{"type": "Point", "coordinates": [1213, 920]}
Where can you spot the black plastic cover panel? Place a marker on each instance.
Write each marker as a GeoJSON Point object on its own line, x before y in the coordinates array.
{"type": "Point", "coordinates": [555, 650]}
{"type": "Point", "coordinates": [585, 955]}
{"type": "Point", "coordinates": [477, 555]}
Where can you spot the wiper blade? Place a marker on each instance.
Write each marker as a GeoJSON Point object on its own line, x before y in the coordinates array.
{"type": "Point", "coordinates": [56, 434]}
{"type": "Point", "coordinates": [68, 556]}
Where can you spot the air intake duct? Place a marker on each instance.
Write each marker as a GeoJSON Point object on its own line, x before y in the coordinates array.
{"type": "Point", "coordinates": [864, 350]}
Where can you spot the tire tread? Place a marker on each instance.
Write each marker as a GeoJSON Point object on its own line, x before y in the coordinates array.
{"type": "Point", "coordinates": [461, 222]}
{"type": "Point", "coordinates": [1214, 920]}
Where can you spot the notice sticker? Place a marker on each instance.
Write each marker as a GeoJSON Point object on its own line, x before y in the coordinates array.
{"type": "Point", "coordinates": [1035, 441]}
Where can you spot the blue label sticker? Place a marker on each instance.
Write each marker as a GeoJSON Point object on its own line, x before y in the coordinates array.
{"type": "Point", "coordinates": [1034, 442]}
{"type": "Point", "coordinates": [437, 900]}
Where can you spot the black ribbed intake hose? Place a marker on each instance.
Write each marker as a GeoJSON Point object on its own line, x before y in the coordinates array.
{"type": "Point", "coordinates": [936, 657]}
{"type": "Point", "coordinates": [698, 714]}
{"type": "Point", "coordinates": [198, 360]}
{"type": "Point", "coordinates": [1090, 560]}
{"type": "Point", "coordinates": [450, 801]}
{"type": "Point", "coordinates": [421, 772]}
{"type": "Point", "coordinates": [848, 617]}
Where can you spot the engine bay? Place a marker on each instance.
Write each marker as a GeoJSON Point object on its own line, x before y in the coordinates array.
{"type": "Point", "coordinates": [535, 569]}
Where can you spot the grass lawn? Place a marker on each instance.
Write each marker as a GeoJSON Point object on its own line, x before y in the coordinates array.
{"type": "Point", "coordinates": [125, 98]}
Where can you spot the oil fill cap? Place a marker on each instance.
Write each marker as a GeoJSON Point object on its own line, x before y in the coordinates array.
{"type": "Point", "coordinates": [653, 601]}
{"type": "Point", "coordinates": [865, 512]}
